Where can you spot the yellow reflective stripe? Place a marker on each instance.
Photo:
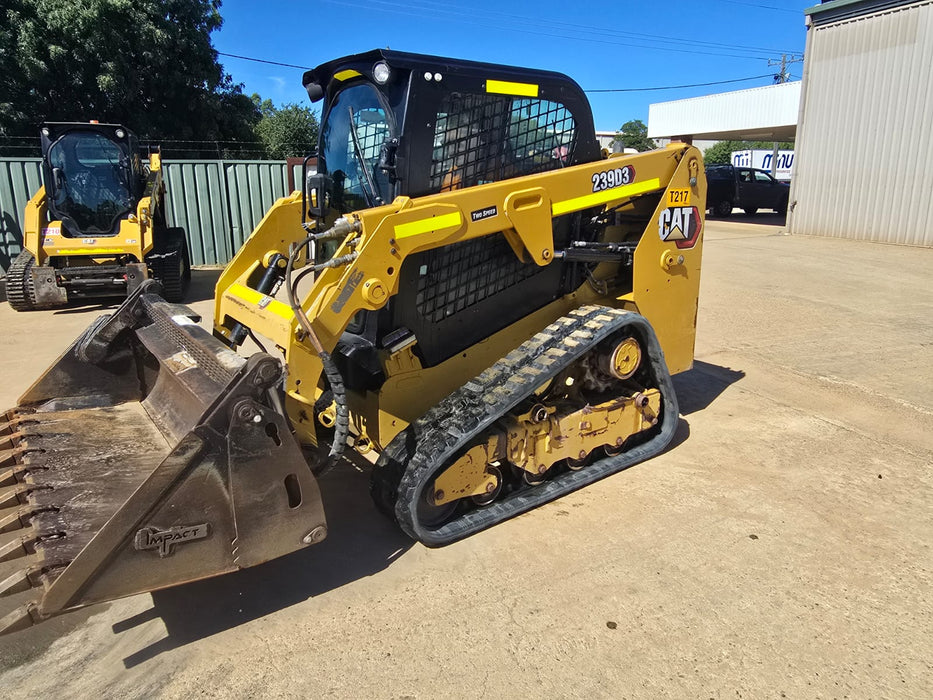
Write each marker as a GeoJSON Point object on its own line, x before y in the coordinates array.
{"type": "Point", "coordinates": [502, 87]}
{"type": "Point", "coordinates": [591, 200]}
{"type": "Point", "coordinates": [254, 297]}
{"type": "Point", "coordinates": [87, 251]}
{"type": "Point", "coordinates": [435, 223]}
{"type": "Point", "coordinates": [347, 74]}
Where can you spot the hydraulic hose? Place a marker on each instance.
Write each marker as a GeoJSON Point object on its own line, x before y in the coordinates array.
{"type": "Point", "coordinates": [342, 425]}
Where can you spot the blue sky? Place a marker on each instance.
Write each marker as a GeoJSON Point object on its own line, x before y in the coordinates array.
{"type": "Point", "coordinates": [602, 45]}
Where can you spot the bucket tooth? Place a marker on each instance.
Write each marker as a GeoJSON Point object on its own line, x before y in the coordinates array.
{"type": "Point", "coordinates": [21, 547]}
{"type": "Point", "coordinates": [18, 518]}
{"type": "Point", "coordinates": [16, 495]}
{"type": "Point", "coordinates": [8, 468]}
{"type": "Point", "coordinates": [22, 580]}
{"type": "Point", "coordinates": [15, 473]}
{"type": "Point", "coordinates": [24, 617]}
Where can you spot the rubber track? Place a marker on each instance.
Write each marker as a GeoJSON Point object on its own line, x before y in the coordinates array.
{"type": "Point", "coordinates": [417, 453]}
{"type": "Point", "coordinates": [166, 270]}
{"type": "Point", "coordinates": [19, 286]}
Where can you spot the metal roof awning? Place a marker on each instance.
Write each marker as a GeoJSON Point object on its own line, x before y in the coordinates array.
{"type": "Point", "coordinates": [836, 10]}
{"type": "Point", "coordinates": [766, 113]}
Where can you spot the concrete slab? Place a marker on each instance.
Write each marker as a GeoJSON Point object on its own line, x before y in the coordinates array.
{"type": "Point", "coordinates": [780, 548]}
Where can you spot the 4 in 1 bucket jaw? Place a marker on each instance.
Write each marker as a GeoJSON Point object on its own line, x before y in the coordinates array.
{"type": "Point", "coordinates": [147, 455]}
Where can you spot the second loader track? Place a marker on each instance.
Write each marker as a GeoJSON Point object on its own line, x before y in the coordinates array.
{"type": "Point", "coordinates": [19, 285]}
{"type": "Point", "coordinates": [415, 457]}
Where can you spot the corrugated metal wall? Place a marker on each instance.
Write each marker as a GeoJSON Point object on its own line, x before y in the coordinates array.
{"type": "Point", "coordinates": [217, 202]}
{"type": "Point", "coordinates": [19, 179]}
{"type": "Point", "coordinates": [864, 143]}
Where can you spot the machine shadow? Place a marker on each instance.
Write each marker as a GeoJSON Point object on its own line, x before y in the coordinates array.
{"type": "Point", "coordinates": [203, 281]}
{"type": "Point", "coordinates": [702, 385]}
{"type": "Point", "coordinates": [361, 542]}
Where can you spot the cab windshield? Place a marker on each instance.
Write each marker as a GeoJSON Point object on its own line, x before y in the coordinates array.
{"type": "Point", "coordinates": [90, 185]}
{"type": "Point", "coordinates": [353, 133]}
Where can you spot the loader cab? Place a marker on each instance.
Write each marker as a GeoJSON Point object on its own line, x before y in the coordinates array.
{"type": "Point", "coordinates": [397, 124]}
{"type": "Point", "coordinates": [93, 176]}
{"type": "Point", "coordinates": [406, 124]}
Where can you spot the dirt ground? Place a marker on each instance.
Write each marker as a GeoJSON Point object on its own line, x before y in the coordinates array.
{"type": "Point", "coordinates": [780, 548]}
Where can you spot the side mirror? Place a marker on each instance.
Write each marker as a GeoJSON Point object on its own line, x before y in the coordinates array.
{"type": "Point", "coordinates": [387, 159]}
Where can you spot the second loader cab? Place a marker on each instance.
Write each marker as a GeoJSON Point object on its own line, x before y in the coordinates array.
{"type": "Point", "coordinates": [93, 176]}
{"type": "Point", "coordinates": [399, 124]}
{"type": "Point", "coordinates": [97, 226]}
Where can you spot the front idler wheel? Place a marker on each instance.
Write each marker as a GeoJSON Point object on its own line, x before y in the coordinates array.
{"type": "Point", "coordinates": [430, 514]}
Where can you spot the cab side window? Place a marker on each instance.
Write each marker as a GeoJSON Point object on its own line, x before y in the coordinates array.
{"type": "Point", "coordinates": [485, 138]}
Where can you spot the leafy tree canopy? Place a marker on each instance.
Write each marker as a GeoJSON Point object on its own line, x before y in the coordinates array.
{"type": "Point", "coordinates": [634, 134]}
{"type": "Point", "coordinates": [148, 64]}
{"type": "Point", "coordinates": [721, 153]}
{"type": "Point", "coordinates": [287, 131]}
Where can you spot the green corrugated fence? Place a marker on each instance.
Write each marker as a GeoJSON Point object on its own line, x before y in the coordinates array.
{"type": "Point", "coordinates": [217, 202]}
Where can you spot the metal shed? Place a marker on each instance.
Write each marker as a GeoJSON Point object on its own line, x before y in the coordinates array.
{"type": "Point", "coordinates": [864, 142]}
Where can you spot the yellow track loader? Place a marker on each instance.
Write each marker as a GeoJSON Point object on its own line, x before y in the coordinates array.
{"type": "Point", "coordinates": [468, 290]}
{"type": "Point", "coordinates": [96, 227]}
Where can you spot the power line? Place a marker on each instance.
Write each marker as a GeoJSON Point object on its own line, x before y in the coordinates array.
{"type": "Point", "coordinates": [643, 89]}
{"type": "Point", "coordinates": [442, 8]}
{"type": "Point", "coordinates": [678, 87]}
{"type": "Point", "coordinates": [764, 7]}
{"type": "Point", "coordinates": [489, 20]}
{"type": "Point", "coordinates": [262, 60]}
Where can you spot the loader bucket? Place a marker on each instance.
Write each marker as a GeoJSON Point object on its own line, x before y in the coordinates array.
{"type": "Point", "coordinates": [146, 456]}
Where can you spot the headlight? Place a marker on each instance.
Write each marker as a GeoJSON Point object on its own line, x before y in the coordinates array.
{"type": "Point", "coordinates": [120, 133]}
{"type": "Point", "coordinates": [381, 73]}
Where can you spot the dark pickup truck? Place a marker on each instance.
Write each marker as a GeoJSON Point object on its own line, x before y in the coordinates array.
{"type": "Point", "coordinates": [747, 188]}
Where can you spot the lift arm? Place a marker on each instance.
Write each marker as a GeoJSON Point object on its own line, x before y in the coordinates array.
{"type": "Point", "coordinates": [381, 238]}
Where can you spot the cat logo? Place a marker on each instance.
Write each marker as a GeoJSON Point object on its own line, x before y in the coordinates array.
{"type": "Point", "coordinates": [680, 225]}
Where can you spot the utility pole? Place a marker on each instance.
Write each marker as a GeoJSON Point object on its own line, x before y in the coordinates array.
{"type": "Point", "coordinates": [780, 79]}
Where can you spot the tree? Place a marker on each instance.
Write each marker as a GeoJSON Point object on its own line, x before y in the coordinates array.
{"type": "Point", "coordinates": [148, 64]}
{"type": "Point", "coordinates": [634, 134]}
{"type": "Point", "coordinates": [287, 131]}
{"type": "Point", "coordinates": [721, 153]}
